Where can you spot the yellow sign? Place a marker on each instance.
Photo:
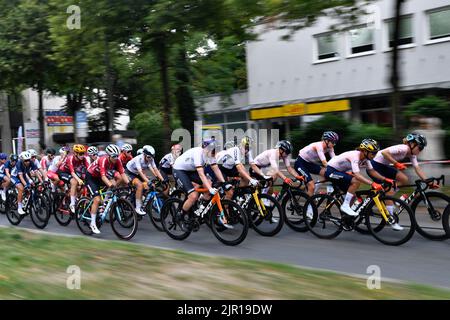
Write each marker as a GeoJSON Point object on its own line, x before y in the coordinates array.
{"type": "Point", "coordinates": [298, 109]}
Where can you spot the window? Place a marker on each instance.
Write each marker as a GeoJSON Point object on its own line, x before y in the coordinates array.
{"type": "Point", "coordinates": [236, 116]}
{"type": "Point", "coordinates": [439, 24]}
{"type": "Point", "coordinates": [327, 46]}
{"type": "Point", "coordinates": [213, 118]}
{"type": "Point", "coordinates": [361, 40]}
{"type": "Point", "coordinates": [406, 33]}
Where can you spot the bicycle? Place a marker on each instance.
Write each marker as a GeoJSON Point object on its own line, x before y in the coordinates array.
{"type": "Point", "coordinates": [212, 212]}
{"type": "Point", "coordinates": [121, 214]}
{"type": "Point", "coordinates": [34, 204]}
{"type": "Point", "coordinates": [327, 221]}
{"type": "Point", "coordinates": [434, 203]}
{"type": "Point", "coordinates": [292, 199]}
{"type": "Point", "coordinates": [264, 211]}
{"type": "Point", "coordinates": [61, 203]}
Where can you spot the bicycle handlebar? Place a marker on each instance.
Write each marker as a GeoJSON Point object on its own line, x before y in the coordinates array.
{"type": "Point", "coordinates": [423, 185]}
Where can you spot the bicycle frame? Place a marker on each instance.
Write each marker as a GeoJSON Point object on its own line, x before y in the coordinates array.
{"type": "Point", "coordinates": [214, 200]}
{"type": "Point", "coordinates": [105, 212]}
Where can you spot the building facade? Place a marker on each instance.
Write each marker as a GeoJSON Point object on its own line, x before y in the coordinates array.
{"type": "Point", "coordinates": [320, 71]}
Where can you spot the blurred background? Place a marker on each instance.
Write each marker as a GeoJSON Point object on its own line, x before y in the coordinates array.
{"type": "Point", "coordinates": [101, 71]}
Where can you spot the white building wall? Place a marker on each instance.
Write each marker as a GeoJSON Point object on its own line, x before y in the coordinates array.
{"type": "Point", "coordinates": [280, 71]}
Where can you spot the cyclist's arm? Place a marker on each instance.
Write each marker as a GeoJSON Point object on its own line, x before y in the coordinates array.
{"type": "Point", "coordinates": [292, 171]}
{"type": "Point", "coordinates": [257, 169]}
{"type": "Point", "coordinates": [125, 178]}
{"type": "Point", "coordinates": [157, 174]}
{"type": "Point", "coordinates": [358, 176]}
{"type": "Point", "coordinates": [242, 172]}
{"type": "Point", "coordinates": [217, 172]}
{"type": "Point", "coordinates": [106, 181]}
{"type": "Point", "coordinates": [387, 155]}
{"type": "Point", "coordinates": [22, 179]}
{"type": "Point", "coordinates": [375, 174]}
{"type": "Point", "coordinates": [8, 173]}
{"type": "Point", "coordinates": [420, 173]}
{"type": "Point", "coordinates": [142, 175]}
{"type": "Point", "coordinates": [202, 175]}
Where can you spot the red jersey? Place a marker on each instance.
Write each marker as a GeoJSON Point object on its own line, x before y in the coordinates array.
{"type": "Point", "coordinates": [73, 164]}
{"type": "Point", "coordinates": [102, 165]}
{"type": "Point", "coordinates": [45, 162]}
{"type": "Point", "coordinates": [124, 158]}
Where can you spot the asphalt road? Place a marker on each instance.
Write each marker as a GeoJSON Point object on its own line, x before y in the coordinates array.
{"type": "Point", "coordinates": [420, 260]}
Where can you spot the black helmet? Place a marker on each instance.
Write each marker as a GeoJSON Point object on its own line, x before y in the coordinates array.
{"type": "Point", "coordinates": [13, 157]}
{"type": "Point", "coordinates": [284, 145]}
{"type": "Point", "coordinates": [51, 151]}
{"type": "Point", "coordinates": [330, 136]}
{"type": "Point", "coordinates": [417, 138]}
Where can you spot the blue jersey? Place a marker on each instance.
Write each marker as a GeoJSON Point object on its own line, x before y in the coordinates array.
{"type": "Point", "coordinates": [20, 168]}
{"type": "Point", "coordinates": [9, 166]}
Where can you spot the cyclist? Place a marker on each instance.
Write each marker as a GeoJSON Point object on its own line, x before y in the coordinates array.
{"type": "Point", "coordinates": [413, 144]}
{"type": "Point", "coordinates": [309, 156]}
{"type": "Point", "coordinates": [166, 163]}
{"type": "Point", "coordinates": [137, 176]}
{"type": "Point", "coordinates": [92, 153]}
{"type": "Point", "coordinates": [354, 161]}
{"type": "Point", "coordinates": [52, 171]}
{"type": "Point", "coordinates": [21, 177]}
{"type": "Point", "coordinates": [3, 177]}
{"type": "Point", "coordinates": [10, 165]}
{"type": "Point", "coordinates": [36, 163]}
{"type": "Point", "coordinates": [139, 151]}
{"type": "Point", "coordinates": [231, 161]}
{"type": "Point", "coordinates": [270, 158]}
{"type": "Point", "coordinates": [126, 154]}
{"type": "Point", "coordinates": [47, 160]}
{"type": "Point", "coordinates": [96, 177]}
{"type": "Point", "coordinates": [188, 171]}
{"type": "Point", "coordinates": [72, 171]}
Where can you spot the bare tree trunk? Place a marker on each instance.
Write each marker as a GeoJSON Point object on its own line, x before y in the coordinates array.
{"type": "Point", "coordinates": [395, 76]}
{"type": "Point", "coordinates": [41, 118]}
{"type": "Point", "coordinates": [109, 92]}
{"type": "Point", "coordinates": [164, 73]}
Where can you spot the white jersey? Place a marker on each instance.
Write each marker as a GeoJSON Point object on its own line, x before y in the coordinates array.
{"type": "Point", "coordinates": [37, 163]}
{"type": "Point", "coordinates": [167, 161]}
{"type": "Point", "coordinates": [53, 166]}
{"type": "Point", "coordinates": [271, 158]}
{"type": "Point", "coordinates": [140, 163]}
{"type": "Point", "coordinates": [349, 161]}
{"type": "Point", "coordinates": [192, 159]}
{"type": "Point", "coordinates": [315, 152]}
{"type": "Point", "coordinates": [398, 152]}
{"type": "Point", "coordinates": [232, 157]}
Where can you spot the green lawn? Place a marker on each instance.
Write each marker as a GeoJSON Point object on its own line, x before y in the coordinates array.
{"type": "Point", "coordinates": [33, 266]}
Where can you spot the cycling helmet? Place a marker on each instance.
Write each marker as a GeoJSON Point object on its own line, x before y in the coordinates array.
{"type": "Point", "coordinates": [148, 150]}
{"type": "Point", "coordinates": [330, 136]}
{"type": "Point", "coordinates": [140, 151]}
{"type": "Point", "coordinates": [246, 141]}
{"type": "Point", "coordinates": [127, 147]}
{"type": "Point", "coordinates": [3, 156]}
{"type": "Point", "coordinates": [33, 152]}
{"type": "Point", "coordinates": [228, 145]}
{"type": "Point", "coordinates": [417, 138]}
{"type": "Point", "coordinates": [25, 155]}
{"type": "Point", "coordinates": [13, 157]}
{"type": "Point", "coordinates": [51, 151]}
{"type": "Point", "coordinates": [112, 150]}
{"type": "Point", "coordinates": [284, 145]}
{"type": "Point", "coordinates": [369, 145]}
{"type": "Point", "coordinates": [62, 150]}
{"type": "Point", "coordinates": [210, 144]}
{"type": "Point", "coordinates": [79, 148]}
{"type": "Point", "coordinates": [92, 151]}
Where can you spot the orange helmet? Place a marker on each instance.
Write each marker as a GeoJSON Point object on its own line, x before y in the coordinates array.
{"type": "Point", "coordinates": [79, 148]}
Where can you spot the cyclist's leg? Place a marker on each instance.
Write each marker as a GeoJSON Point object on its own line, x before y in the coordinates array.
{"type": "Point", "coordinates": [73, 191]}
{"type": "Point", "coordinates": [139, 188]}
{"type": "Point", "coordinates": [19, 188]}
{"type": "Point", "coordinates": [346, 183]}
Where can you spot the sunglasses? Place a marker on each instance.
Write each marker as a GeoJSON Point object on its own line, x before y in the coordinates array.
{"type": "Point", "coordinates": [114, 156]}
{"type": "Point", "coordinates": [27, 160]}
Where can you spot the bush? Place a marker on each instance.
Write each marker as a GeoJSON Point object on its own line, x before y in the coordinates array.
{"type": "Point", "coordinates": [430, 106]}
{"type": "Point", "coordinates": [447, 144]}
{"type": "Point", "coordinates": [351, 134]}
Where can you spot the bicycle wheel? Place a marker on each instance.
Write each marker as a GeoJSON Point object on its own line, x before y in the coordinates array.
{"type": "Point", "coordinates": [62, 213]}
{"type": "Point", "coordinates": [177, 193]}
{"type": "Point", "coordinates": [428, 214]}
{"type": "Point", "coordinates": [326, 219]}
{"type": "Point", "coordinates": [11, 209]}
{"type": "Point", "coordinates": [293, 210]}
{"type": "Point", "coordinates": [153, 210]}
{"type": "Point", "coordinates": [236, 217]}
{"type": "Point", "coordinates": [39, 211]}
{"type": "Point", "coordinates": [270, 221]}
{"type": "Point", "coordinates": [402, 215]}
{"type": "Point", "coordinates": [169, 220]}
{"type": "Point", "coordinates": [83, 216]}
{"type": "Point", "coordinates": [123, 219]}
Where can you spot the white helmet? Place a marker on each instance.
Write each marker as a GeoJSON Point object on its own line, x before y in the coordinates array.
{"type": "Point", "coordinates": [127, 147]}
{"type": "Point", "coordinates": [33, 152]}
{"type": "Point", "coordinates": [148, 150]}
{"type": "Point", "coordinates": [228, 145]}
{"type": "Point", "coordinates": [25, 155]}
{"type": "Point", "coordinates": [112, 150]}
{"type": "Point", "coordinates": [140, 151]}
{"type": "Point", "coordinates": [92, 151]}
